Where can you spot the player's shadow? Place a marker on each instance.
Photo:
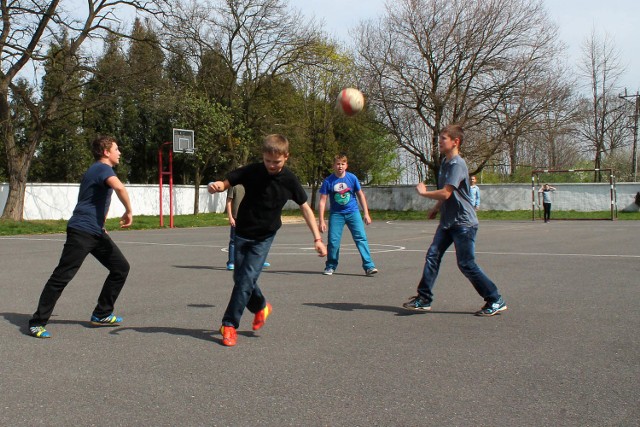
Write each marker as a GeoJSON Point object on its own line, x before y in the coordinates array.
{"type": "Point", "coordinates": [202, 334]}
{"type": "Point", "coordinates": [264, 271]}
{"type": "Point", "coordinates": [398, 311]}
{"type": "Point", "coordinates": [21, 320]}
{"type": "Point", "coordinates": [200, 267]}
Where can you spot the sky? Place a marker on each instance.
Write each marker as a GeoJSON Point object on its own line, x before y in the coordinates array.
{"type": "Point", "coordinates": [618, 19]}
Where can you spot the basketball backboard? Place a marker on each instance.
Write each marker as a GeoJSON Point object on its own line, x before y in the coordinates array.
{"type": "Point", "coordinates": [183, 141]}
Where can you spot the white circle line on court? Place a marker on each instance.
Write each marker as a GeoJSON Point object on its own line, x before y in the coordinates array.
{"type": "Point", "coordinates": [346, 249]}
{"type": "Point", "coordinates": [393, 248]}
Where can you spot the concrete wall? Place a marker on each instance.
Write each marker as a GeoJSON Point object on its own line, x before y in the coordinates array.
{"type": "Point", "coordinates": [56, 201]}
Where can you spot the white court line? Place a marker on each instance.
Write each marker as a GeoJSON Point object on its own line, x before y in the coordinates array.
{"type": "Point", "coordinates": [392, 248]}
{"type": "Point", "coordinates": [118, 242]}
{"type": "Point", "coordinates": [539, 254]}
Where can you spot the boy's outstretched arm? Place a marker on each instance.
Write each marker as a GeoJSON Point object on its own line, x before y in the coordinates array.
{"type": "Point", "coordinates": [310, 219]}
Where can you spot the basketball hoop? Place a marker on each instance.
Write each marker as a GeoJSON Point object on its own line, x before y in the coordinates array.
{"type": "Point", "coordinates": [183, 141]}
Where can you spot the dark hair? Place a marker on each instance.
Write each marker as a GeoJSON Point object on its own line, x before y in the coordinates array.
{"type": "Point", "coordinates": [276, 144]}
{"type": "Point", "coordinates": [100, 144]}
{"type": "Point", "coordinates": [454, 132]}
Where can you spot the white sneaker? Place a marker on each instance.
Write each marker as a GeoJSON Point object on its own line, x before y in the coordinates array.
{"type": "Point", "coordinates": [328, 271]}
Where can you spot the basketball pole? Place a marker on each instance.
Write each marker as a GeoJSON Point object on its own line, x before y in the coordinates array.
{"type": "Point", "coordinates": [161, 173]}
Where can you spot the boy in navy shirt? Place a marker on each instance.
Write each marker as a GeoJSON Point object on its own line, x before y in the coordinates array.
{"type": "Point", "coordinates": [342, 188]}
{"type": "Point", "coordinates": [86, 235]}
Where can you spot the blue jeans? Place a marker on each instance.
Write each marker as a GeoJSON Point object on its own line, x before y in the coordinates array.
{"type": "Point", "coordinates": [232, 246]}
{"type": "Point", "coordinates": [464, 240]}
{"type": "Point", "coordinates": [355, 224]}
{"type": "Point", "coordinates": [250, 256]}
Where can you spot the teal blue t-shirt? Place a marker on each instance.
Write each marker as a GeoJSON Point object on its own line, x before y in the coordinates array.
{"type": "Point", "coordinates": [341, 192]}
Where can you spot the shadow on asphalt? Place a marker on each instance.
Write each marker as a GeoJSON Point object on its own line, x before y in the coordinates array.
{"type": "Point", "coordinates": [268, 270]}
{"type": "Point", "coordinates": [398, 311]}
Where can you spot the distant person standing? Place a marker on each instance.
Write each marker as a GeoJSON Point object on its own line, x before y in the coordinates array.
{"type": "Point", "coordinates": [546, 190]}
{"type": "Point", "coordinates": [234, 197]}
{"type": "Point", "coordinates": [86, 235]}
{"type": "Point", "coordinates": [474, 192]}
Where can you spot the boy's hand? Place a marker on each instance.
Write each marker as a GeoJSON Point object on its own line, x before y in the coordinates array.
{"type": "Point", "coordinates": [322, 225]}
{"type": "Point", "coordinates": [367, 219]}
{"type": "Point", "coordinates": [421, 189]}
{"type": "Point", "coordinates": [215, 187]}
{"type": "Point", "coordinates": [321, 248]}
{"type": "Point", "coordinates": [432, 213]}
{"type": "Point", "coordinates": [126, 220]}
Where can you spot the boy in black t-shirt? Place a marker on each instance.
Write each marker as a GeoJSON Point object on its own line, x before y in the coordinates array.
{"type": "Point", "coordinates": [268, 186]}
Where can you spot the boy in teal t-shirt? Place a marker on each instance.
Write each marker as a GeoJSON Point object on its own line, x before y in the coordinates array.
{"type": "Point", "coordinates": [342, 188]}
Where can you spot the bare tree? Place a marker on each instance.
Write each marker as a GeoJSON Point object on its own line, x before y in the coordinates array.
{"type": "Point", "coordinates": [255, 39]}
{"type": "Point", "coordinates": [433, 62]}
{"type": "Point", "coordinates": [603, 111]}
{"type": "Point", "coordinates": [27, 30]}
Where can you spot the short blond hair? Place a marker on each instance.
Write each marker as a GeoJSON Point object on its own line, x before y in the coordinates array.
{"type": "Point", "coordinates": [341, 156]}
{"type": "Point", "coordinates": [276, 144]}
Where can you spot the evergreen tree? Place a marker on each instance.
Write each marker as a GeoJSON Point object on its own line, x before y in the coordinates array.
{"type": "Point", "coordinates": [62, 155]}
{"type": "Point", "coordinates": [145, 116]}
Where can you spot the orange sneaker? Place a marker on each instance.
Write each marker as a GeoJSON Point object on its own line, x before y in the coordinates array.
{"type": "Point", "coordinates": [229, 335]}
{"type": "Point", "coordinates": [261, 317]}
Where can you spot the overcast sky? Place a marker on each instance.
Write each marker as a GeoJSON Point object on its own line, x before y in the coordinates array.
{"type": "Point", "coordinates": [619, 19]}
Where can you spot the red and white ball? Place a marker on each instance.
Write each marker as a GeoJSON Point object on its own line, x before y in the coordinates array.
{"type": "Point", "coordinates": [350, 101]}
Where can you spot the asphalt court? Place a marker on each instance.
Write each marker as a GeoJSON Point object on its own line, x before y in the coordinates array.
{"type": "Point", "coordinates": [338, 350]}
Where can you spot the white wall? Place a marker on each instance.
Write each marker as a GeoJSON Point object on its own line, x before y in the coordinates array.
{"type": "Point", "coordinates": [56, 201]}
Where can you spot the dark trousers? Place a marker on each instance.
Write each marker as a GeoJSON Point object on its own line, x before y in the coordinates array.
{"type": "Point", "coordinates": [547, 211]}
{"type": "Point", "coordinates": [76, 249]}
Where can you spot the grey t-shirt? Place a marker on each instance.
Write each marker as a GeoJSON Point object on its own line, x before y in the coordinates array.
{"type": "Point", "coordinates": [457, 210]}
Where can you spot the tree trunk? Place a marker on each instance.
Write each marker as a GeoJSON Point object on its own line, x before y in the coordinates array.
{"type": "Point", "coordinates": [14, 209]}
{"type": "Point", "coordinates": [17, 165]}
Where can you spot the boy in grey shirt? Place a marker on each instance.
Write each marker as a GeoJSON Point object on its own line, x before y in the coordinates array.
{"type": "Point", "coordinates": [458, 225]}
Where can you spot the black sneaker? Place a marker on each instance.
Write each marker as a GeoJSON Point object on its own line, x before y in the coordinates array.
{"type": "Point", "coordinates": [492, 308]}
{"type": "Point", "coordinates": [417, 303]}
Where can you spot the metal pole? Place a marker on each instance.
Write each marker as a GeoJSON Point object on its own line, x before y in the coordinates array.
{"type": "Point", "coordinates": [533, 198]}
{"type": "Point", "coordinates": [635, 139]}
{"type": "Point", "coordinates": [634, 165]}
{"type": "Point", "coordinates": [171, 189]}
{"type": "Point", "coordinates": [160, 180]}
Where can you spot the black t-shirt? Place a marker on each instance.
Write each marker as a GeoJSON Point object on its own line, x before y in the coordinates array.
{"type": "Point", "coordinates": [265, 196]}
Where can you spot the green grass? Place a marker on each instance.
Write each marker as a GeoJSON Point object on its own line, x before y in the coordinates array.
{"type": "Point", "coordinates": [10, 228]}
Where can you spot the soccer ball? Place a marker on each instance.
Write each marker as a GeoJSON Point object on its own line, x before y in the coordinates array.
{"type": "Point", "coordinates": [350, 101]}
